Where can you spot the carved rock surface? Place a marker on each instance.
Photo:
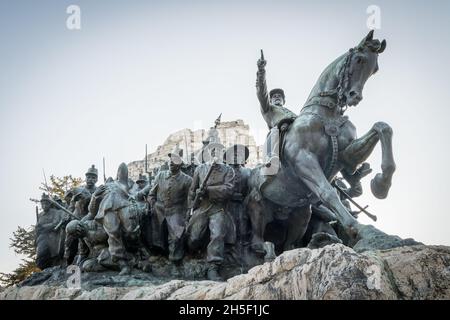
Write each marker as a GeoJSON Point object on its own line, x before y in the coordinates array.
{"type": "Point", "coordinates": [332, 272]}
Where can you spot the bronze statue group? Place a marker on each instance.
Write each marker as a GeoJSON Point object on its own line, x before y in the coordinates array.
{"type": "Point", "coordinates": [219, 208]}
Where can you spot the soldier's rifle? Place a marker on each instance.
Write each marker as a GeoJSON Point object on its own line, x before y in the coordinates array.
{"type": "Point", "coordinates": [59, 207]}
{"type": "Point", "coordinates": [347, 196]}
{"type": "Point", "coordinates": [203, 186]}
{"type": "Point", "coordinates": [56, 203]}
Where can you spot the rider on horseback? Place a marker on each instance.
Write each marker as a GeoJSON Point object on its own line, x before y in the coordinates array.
{"type": "Point", "coordinates": [272, 104]}
{"type": "Point", "coordinates": [277, 117]}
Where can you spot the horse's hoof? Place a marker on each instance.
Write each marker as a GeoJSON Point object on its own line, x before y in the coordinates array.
{"type": "Point", "coordinates": [269, 249]}
{"type": "Point", "coordinates": [258, 247]}
{"type": "Point", "coordinates": [379, 187]}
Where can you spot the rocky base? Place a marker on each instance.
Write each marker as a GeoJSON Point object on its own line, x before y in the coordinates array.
{"type": "Point", "coordinates": [332, 272]}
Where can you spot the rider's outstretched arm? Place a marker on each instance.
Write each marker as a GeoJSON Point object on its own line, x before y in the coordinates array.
{"type": "Point", "coordinates": [261, 86]}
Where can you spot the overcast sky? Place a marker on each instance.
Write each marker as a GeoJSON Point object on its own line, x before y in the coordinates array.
{"type": "Point", "coordinates": [140, 70]}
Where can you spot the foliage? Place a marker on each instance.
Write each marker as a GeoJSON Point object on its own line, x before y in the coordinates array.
{"type": "Point", "coordinates": [23, 239]}
{"type": "Point", "coordinates": [58, 186]}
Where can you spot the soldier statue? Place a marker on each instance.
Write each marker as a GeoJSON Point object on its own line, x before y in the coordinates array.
{"type": "Point", "coordinates": [190, 167]}
{"type": "Point", "coordinates": [236, 157]}
{"type": "Point", "coordinates": [74, 248]}
{"type": "Point", "coordinates": [142, 183]}
{"type": "Point", "coordinates": [91, 179]}
{"type": "Point", "coordinates": [114, 206]}
{"type": "Point", "coordinates": [211, 188]}
{"type": "Point", "coordinates": [68, 195]}
{"type": "Point", "coordinates": [49, 234]}
{"type": "Point", "coordinates": [90, 232]}
{"type": "Point", "coordinates": [168, 199]}
{"type": "Point", "coordinates": [272, 104]}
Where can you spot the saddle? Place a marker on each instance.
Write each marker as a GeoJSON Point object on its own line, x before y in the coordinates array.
{"type": "Point", "coordinates": [286, 196]}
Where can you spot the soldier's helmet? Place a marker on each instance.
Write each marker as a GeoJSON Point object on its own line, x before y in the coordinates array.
{"type": "Point", "coordinates": [277, 90]}
{"type": "Point", "coordinates": [212, 136]}
{"type": "Point", "coordinates": [142, 178]}
{"type": "Point", "coordinates": [92, 171]}
{"type": "Point", "coordinates": [236, 154]}
{"type": "Point", "coordinates": [45, 198]}
{"type": "Point", "coordinates": [176, 155]}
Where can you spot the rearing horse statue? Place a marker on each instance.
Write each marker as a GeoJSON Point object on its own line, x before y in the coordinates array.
{"type": "Point", "coordinates": [320, 143]}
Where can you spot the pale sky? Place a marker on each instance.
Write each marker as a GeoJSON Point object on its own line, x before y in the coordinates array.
{"type": "Point", "coordinates": [140, 70]}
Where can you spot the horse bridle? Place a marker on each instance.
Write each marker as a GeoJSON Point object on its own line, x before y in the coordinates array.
{"type": "Point", "coordinates": [344, 80]}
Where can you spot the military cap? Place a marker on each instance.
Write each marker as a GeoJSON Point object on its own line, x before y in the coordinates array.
{"type": "Point", "coordinates": [277, 90]}
{"type": "Point", "coordinates": [92, 170]}
{"type": "Point", "coordinates": [142, 178]}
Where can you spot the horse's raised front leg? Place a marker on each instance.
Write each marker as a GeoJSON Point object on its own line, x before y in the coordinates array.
{"type": "Point", "coordinates": [311, 173]}
{"type": "Point", "coordinates": [381, 184]}
{"type": "Point", "coordinates": [360, 149]}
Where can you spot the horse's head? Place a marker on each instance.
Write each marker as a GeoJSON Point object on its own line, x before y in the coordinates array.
{"type": "Point", "coordinates": [359, 64]}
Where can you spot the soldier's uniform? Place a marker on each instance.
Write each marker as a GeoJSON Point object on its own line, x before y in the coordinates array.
{"type": "Point", "coordinates": [211, 214]}
{"type": "Point", "coordinates": [278, 119]}
{"type": "Point", "coordinates": [79, 206]}
{"type": "Point", "coordinates": [141, 184]}
{"type": "Point", "coordinates": [96, 240]}
{"type": "Point", "coordinates": [92, 171]}
{"type": "Point", "coordinates": [169, 193]}
{"type": "Point", "coordinates": [189, 169]}
{"type": "Point", "coordinates": [236, 206]}
{"type": "Point", "coordinates": [275, 116]}
{"type": "Point", "coordinates": [119, 215]}
{"type": "Point", "coordinates": [49, 242]}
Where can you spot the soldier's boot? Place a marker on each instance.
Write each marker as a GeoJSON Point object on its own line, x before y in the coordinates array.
{"type": "Point", "coordinates": [125, 268]}
{"type": "Point", "coordinates": [213, 272]}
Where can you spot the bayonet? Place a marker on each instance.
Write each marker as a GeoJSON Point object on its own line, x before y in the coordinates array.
{"type": "Point", "coordinates": [53, 201]}
{"type": "Point", "coordinates": [104, 171]}
{"type": "Point", "coordinates": [217, 121]}
{"type": "Point", "coordinates": [45, 183]}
